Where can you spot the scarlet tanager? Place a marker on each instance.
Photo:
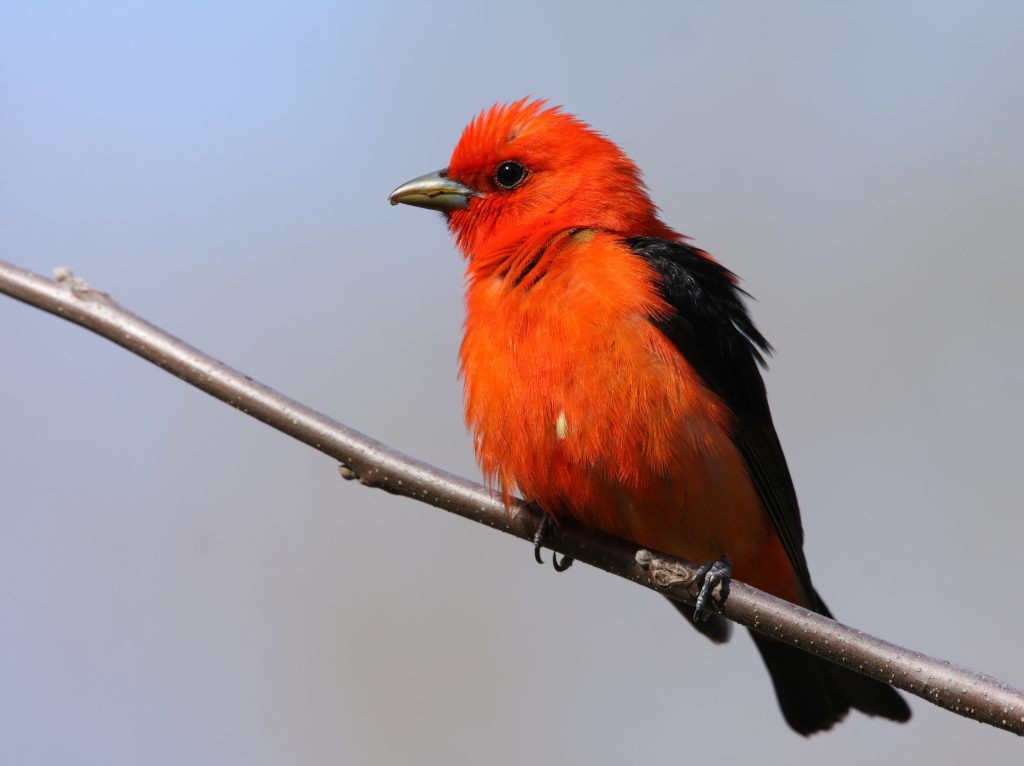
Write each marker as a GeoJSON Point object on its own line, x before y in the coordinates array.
{"type": "Point", "coordinates": [612, 376]}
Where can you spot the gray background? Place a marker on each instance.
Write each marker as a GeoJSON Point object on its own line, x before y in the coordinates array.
{"type": "Point", "coordinates": [179, 584]}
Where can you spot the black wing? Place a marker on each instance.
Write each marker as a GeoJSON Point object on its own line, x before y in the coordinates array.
{"type": "Point", "coordinates": [712, 329]}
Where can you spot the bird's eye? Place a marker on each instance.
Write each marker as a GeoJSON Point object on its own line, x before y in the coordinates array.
{"type": "Point", "coordinates": [509, 174]}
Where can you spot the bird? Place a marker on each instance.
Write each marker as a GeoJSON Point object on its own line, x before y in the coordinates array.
{"type": "Point", "coordinates": [612, 377]}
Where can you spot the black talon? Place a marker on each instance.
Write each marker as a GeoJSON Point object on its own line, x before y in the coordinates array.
{"type": "Point", "coordinates": [538, 543]}
{"type": "Point", "coordinates": [538, 537]}
{"type": "Point", "coordinates": [711, 575]}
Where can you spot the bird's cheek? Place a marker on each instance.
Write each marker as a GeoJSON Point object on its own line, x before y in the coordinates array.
{"type": "Point", "coordinates": [456, 219]}
{"type": "Point", "coordinates": [464, 216]}
{"type": "Point", "coordinates": [462, 224]}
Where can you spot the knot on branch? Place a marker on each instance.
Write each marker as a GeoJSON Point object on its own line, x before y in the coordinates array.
{"type": "Point", "coordinates": [668, 573]}
{"type": "Point", "coordinates": [369, 478]}
{"type": "Point", "coordinates": [78, 286]}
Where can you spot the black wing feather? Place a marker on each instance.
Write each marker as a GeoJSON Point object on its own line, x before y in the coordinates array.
{"type": "Point", "coordinates": [713, 330]}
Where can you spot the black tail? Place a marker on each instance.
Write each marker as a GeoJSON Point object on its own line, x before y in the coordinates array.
{"type": "Point", "coordinates": [814, 693]}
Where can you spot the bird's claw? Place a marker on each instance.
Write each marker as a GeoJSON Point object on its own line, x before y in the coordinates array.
{"type": "Point", "coordinates": [538, 543]}
{"type": "Point", "coordinates": [711, 575]}
{"type": "Point", "coordinates": [539, 535]}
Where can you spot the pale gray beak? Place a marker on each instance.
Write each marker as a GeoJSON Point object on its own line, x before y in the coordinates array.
{"type": "Point", "coordinates": [434, 191]}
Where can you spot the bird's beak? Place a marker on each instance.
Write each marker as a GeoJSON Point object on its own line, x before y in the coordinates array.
{"type": "Point", "coordinates": [434, 191]}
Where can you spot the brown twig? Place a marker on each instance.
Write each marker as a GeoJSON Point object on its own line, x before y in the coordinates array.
{"type": "Point", "coordinates": [964, 692]}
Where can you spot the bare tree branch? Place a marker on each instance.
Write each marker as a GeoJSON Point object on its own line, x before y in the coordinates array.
{"type": "Point", "coordinates": [969, 694]}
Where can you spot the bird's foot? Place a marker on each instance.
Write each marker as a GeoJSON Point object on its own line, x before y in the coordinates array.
{"type": "Point", "coordinates": [538, 543]}
{"type": "Point", "coordinates": [711, 575]}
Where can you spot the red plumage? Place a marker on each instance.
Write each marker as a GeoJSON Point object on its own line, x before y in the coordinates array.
{"type": "Point", "coordinates": [611, 372]}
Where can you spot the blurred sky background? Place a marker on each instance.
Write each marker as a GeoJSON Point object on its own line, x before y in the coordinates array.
{"type": "Point", "coordinates": [180, 584]}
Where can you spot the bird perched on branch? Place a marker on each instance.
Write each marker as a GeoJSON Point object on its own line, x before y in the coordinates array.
{"type": "Point", "coordinates": [612, 376]}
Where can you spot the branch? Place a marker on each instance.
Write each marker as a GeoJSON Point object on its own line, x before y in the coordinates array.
{"type": "Point", "coordinates": [962, 691]}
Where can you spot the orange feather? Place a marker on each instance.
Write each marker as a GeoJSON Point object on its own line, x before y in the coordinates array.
{"type": "Point", "coordinates": [579, 393]}
{"type": "Point", "coordinates": [574, 398]}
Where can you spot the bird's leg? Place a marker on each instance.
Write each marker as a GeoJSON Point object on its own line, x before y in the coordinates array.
{"type": "Point", "coordinates": [538, 543]}
{"type": "Point", "coordinates": [711, 575]}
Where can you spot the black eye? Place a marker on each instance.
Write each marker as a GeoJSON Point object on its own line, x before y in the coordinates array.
{"type": "Point", "coordinates": [509, 174]}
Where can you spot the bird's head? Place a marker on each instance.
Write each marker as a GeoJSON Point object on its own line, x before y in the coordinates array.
{"type": "Point", "coordinates": [523, 170]}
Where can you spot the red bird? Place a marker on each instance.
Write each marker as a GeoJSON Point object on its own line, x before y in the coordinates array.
{"type": "Point", "coordinates": [612, 375]}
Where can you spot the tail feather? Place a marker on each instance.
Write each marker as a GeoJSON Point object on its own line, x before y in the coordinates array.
{"type": "Point", "coordinates": [814, 694]}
